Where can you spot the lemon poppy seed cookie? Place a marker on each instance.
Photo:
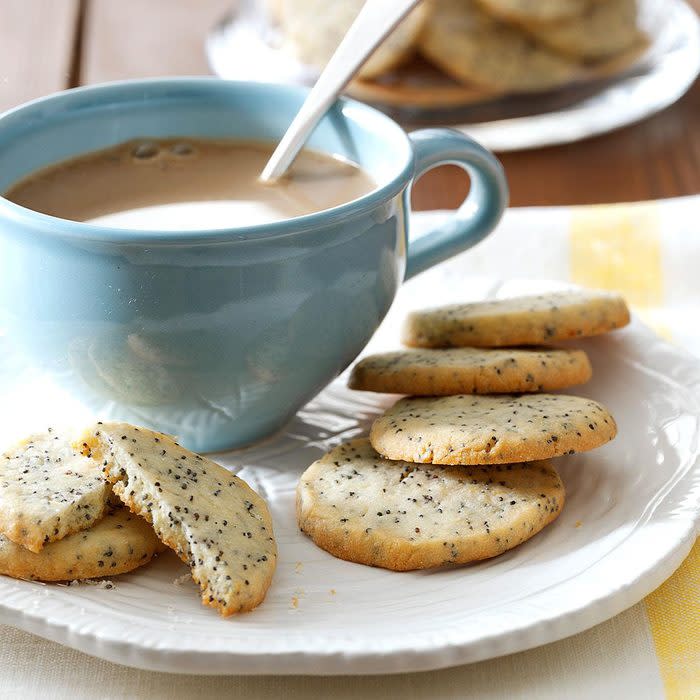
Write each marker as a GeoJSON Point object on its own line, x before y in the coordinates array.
{"type": "Point", "coordinates": [48, 490]}
{"type": "Point", "coordinates": [212, 519]}
{"type": "Point", "coordinates": [118, 543]}
{"type": "Point", "coordinates": [402, 516]}
{"type": "Point", "coordinates": [491, 429]}
{"type": "Point", "coordinates": [470, 46]}
{"type": "Point", "coordinates": [527, 320]}
{"type": "Point", "coordinates": [428, 372]}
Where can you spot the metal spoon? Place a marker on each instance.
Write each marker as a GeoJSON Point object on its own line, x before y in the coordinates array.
{"type": "Point", "coordinates": [377, 19]}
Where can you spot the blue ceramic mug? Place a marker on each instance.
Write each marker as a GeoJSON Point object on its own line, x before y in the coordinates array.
{"type": "Point", "coordinates": [218, 336]}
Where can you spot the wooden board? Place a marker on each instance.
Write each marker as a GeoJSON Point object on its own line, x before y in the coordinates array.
{"type": "Point", "coordinates": [658, 158]}
{"type": "Point", "coordinates": [38, 40]}
{"type": "Point", "coordinates": [144, 38]}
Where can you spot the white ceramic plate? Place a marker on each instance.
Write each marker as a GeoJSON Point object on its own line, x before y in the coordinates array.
{"type": "Point", "coordinates": [242, 47]}
{"type": "Point", "coordinates": [629, 521]}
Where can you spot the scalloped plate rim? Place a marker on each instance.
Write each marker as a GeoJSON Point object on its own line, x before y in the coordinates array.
{"type": "Point", "coordinates": [414, 651]}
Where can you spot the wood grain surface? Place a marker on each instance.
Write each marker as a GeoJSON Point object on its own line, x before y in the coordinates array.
{"type": "Point", "coordinates": [657, 158]}
{"type": "Point", "coordinates": [139, 39]}
{"type": "Point", "coordinates": [37, 45]}
{"type": "Point", "coordinates": [47, 45]}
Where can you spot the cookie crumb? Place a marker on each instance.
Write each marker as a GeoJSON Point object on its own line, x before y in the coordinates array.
{"type": "Point", "coordinates": [578, 523]}
{"type": "Point", "coordinates": [182, 580]}
{"type": "Point", "coordinates": [101, 583]}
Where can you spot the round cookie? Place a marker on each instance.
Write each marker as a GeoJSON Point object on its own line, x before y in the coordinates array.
{"type": "Point", "coordinates": [120, 542]}
{"type": "Point", "coordinates": [491, 429]}
{"type": "Point", "coordinates": [472, 47]}
{"type": "Point", "coordinates": [428, 372]}
{"type": "Point", "coordinates": [313, 29]}
{"type": "Point", "coordinates": [401, 516]}
{"type": "Point", "coordinates": [528, 320]}
{"type": "Point", "coordinates": [536, 11]}
{"type": "Point", "coordinates": [48, 490]}
{"type": "Point", "coordinates": [606, 29]}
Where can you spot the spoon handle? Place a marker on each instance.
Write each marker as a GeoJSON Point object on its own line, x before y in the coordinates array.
{"type": "Point", "coordinates": [377, 19]}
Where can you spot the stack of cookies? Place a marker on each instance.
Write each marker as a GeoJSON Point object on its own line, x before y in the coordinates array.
{"type": "Point", "coordinates": [110, 501]}
{"type": "Point", "coordinates": [490, 47]}
{"type": "Point", "coordinates": [461, 469]}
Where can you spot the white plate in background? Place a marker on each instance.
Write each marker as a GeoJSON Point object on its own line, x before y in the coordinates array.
{"type": "Point", "coordinates": [238, 48]}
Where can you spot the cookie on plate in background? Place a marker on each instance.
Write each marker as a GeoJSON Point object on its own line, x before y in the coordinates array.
{"type": "Point", "coordinates": [313, 29]}
{"type": "Point", "coordinates": [473, 47]}
{"type": "Point", "coordinates": [536, 12]}
{"type": "Point", "coordinates": [606, 29]}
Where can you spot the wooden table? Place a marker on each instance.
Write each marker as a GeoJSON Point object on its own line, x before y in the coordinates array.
{"type": "Point", "coordinates": [47, 45]}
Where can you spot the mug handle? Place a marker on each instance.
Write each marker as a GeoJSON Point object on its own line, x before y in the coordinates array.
{"type": "Point", "coordinates": [480, 211]}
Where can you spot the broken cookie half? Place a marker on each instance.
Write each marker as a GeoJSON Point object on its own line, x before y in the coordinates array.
{"type": "Point", "coordinates": [212, 519]}
{"type": "Point", "coordinates": [48, 490]}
